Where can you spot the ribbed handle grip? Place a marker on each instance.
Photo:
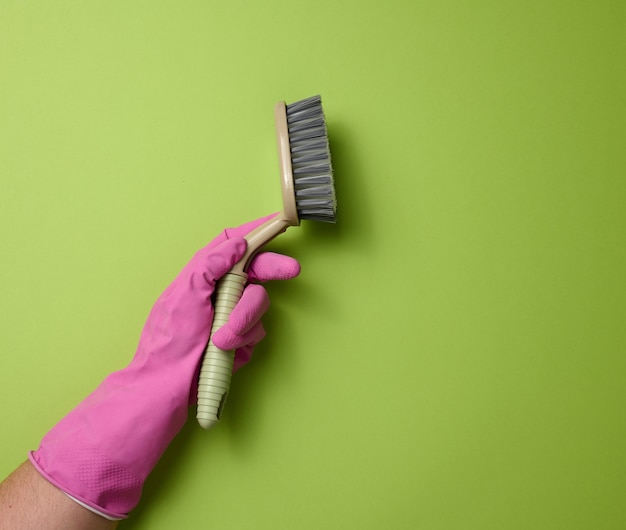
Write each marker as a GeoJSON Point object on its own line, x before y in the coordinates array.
{"type": "Point", "coordinates": [217, 365]}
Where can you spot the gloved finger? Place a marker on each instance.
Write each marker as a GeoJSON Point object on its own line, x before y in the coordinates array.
{"type": "Point", "coordinates": [239, 231]}
{"type": "Point", "coordinates": [244, 353]}
{"type": "Point", "coordinates": [207, 266]}
{"type": "Point", "coordinates": [246, 313]}
{"type": "Point", "coordinates": [249, 310]}
{"type": "Point", "coordinates": [267, 266]}
{"type": "Point", "coordinates": [225, 339]}
{"type": "Point", "coordinates": [217, 261]}
{"type": "Point", "coordinates": [242, 356]}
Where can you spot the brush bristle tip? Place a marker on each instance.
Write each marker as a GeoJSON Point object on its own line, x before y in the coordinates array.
{"type": "Point", "coordinates": [311, 162]}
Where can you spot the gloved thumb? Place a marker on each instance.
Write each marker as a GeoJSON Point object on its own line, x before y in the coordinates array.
{"type": "Point", "coordinates": [216, 262]}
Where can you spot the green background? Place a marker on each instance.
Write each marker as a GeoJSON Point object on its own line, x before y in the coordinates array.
{"type": "Point", "coordinates": [452, 356]}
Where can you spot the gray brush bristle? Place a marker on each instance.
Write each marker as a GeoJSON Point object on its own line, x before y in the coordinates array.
{"type": "Point", "coordinates": [310, 160]}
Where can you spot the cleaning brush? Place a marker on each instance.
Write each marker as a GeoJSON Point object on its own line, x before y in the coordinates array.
{"type": "Point", "coordinates": [308, 193]}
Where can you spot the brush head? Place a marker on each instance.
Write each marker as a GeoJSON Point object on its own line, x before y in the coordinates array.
{"type": "Point", "coordinates": [306, 174]}
{"type": "Point", "coordinates": [308, 186]}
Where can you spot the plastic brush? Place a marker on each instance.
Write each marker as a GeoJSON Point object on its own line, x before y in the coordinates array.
{"type": "Point", "coordinates": [308, 193]}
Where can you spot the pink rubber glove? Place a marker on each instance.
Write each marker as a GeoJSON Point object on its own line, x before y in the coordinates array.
{"type": "Point", "coordinates": [101, 453]}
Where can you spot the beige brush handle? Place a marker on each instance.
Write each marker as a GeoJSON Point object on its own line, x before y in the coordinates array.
{"type": "Point", "coordinates": [217, 365]}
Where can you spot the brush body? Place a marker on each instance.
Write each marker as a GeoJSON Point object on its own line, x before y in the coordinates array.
{"type": "Point", "coordinates": [308, 193]}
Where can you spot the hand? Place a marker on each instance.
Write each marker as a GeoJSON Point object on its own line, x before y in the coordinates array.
{"type": "Point", "coordinates": [101, 453]}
